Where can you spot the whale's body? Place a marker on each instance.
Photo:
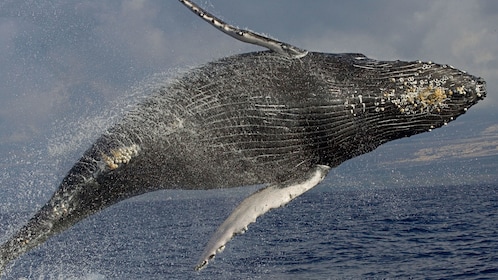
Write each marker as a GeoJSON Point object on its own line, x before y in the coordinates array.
{"type": "Point", "coordinates": [255, 118]}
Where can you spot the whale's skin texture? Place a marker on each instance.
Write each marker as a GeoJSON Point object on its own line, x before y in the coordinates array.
{"type": "Point", "coordinates": [254, 118]}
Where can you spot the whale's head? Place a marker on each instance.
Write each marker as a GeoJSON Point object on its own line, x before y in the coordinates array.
{"type": "Point", "coordinates": [406, 98]}
{"type": "Point", "coordinates": [429, 93]}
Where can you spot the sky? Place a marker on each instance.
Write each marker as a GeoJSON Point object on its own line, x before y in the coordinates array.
{"type": "Point", "coordinates": [66, 67]}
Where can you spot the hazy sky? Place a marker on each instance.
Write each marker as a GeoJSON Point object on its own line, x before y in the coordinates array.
{"type": "Point", "coordinates": [62, 62]}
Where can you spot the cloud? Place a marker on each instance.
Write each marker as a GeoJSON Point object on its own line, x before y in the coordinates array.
{"type": "Point", "coordinates": [129, 28]}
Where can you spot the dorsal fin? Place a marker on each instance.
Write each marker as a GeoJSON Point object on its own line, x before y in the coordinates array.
{"type": "Point", "coordinates": [246, 35]}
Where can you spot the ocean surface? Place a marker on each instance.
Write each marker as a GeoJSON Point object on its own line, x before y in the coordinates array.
{"type": "Point", "coordinates": [444, 232]}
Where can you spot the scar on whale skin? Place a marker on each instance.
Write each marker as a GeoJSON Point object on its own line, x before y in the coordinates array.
{"type": "Point", "coordinates": [281, 118]}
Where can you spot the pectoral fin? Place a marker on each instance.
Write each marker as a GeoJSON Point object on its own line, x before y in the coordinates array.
{"type": "Point", "coordinates": [257, 204]}
{"type": "Point", "coordinates": [246, 35]}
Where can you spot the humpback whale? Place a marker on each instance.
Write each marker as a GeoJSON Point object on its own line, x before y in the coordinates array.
{"type": "Point", "coordinates": [281, 117]}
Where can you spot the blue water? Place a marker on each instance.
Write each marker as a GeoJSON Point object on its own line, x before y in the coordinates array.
{"type": "Point", "coordinates": [395, 233]}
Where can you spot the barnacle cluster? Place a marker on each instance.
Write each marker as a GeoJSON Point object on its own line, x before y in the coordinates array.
{"type": "Point", "coordinates": [420, 99]}
{"type": "Point", "coordinates": [417, 93]}
{"type": "Point", "coordinates": [120, 155]}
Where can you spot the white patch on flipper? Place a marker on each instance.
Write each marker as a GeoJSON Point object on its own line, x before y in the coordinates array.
{"type": "Point", "coordinates": [257, 204]}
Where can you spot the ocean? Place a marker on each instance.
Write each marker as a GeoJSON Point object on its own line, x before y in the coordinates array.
{"type": "Point", "coordinates": [443, 232]}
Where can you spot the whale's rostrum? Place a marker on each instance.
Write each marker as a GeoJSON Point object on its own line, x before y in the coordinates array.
{"type": "Point", "coordinates": [281, 118]}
